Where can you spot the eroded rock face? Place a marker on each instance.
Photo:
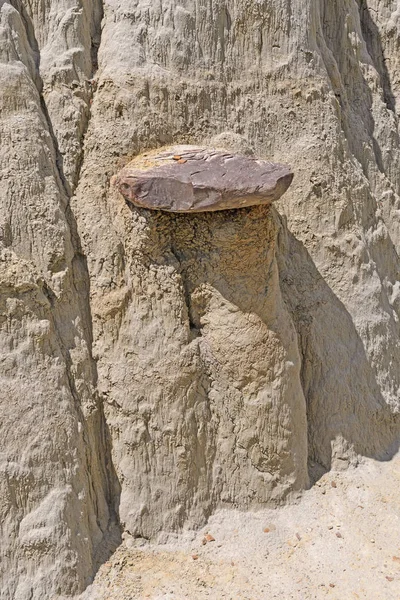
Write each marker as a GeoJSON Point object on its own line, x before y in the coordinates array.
{"type": "Point", "coordinates": [189, 179]}
{"type": "Point", "coordinates": [215, 409]}
{"type": "Point", "coordinates": [57, 496]}
{"type": "Point", "coordinates": [203, 349]}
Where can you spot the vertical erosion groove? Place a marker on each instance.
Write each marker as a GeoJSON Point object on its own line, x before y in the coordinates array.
{"type": "Point", "coordinates": [98, 8]}
{"type": "Point", "coordinates": [373, 42]}
{"type": "Point", "coordinates": [96, 461]}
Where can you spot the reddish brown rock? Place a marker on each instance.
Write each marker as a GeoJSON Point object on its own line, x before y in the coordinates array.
{"type": "Point", "coordinates": [191, 179]}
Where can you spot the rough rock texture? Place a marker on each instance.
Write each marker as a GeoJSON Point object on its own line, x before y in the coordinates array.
{"type": "Point", "coordinates": [189, 179]}
{"type": "Point", "coordinates": [57, 495]}
{"type": "Point", "coordinates": [215, 411]}
{"type": "Point", "coordinates": [193, 354]}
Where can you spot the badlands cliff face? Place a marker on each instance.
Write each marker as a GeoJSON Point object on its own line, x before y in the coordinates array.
{"type": "Point", "coordinates": [157, 366]}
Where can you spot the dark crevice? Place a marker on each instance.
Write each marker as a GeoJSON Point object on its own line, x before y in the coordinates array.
{"type": "Point", "coordinates": [373, 41]}
{"type": "Point", "coordinates": [30, 33]}
{"type": "Point", "coordinates": [111, 533]}
{"type": "Point", "coordinates": [58, 156]}
{"type": "Point", "coordinates": [195, 329]}
{"type": "Point", "coordinates": [94, 51]}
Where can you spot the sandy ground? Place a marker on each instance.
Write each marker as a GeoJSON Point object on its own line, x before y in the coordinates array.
{"type": "Point", "coordinates": [341, 541]}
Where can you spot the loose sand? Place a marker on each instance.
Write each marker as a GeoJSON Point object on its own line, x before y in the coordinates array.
{"type": "Point", "coordinates": [340, 541]}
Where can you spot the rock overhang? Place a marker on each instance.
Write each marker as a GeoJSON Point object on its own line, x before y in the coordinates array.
{"type": "Point", "coordinates": [192, 179]}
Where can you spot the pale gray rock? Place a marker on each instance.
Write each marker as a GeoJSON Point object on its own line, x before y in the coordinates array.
{"type": "Point", "coordinates": [203, 358]}
{"type": "Point", "coordinates": [57, 495]}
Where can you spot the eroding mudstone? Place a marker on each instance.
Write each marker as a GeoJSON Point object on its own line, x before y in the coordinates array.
{"type": "Point", "coordinates": [195, 179]}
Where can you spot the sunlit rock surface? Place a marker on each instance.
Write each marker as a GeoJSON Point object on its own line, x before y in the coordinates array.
{"type": "Point", "coordinates": [156, 366]}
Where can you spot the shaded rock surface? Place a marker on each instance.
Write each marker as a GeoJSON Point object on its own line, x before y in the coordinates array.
{"type": "Point", "coordinates": [190, 179]}
{"type": "Point", "coordinates": [158, 365]}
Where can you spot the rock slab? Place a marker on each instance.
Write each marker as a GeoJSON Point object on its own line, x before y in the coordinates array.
{"type": "Point", "coordinates": [190, 179]}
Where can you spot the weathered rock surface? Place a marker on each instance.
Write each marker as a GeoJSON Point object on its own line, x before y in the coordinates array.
{"type": "Point", "coordinates": [57, 490]}
{"type": "Point", "coordinates": [189, 179]}
{"type": "Point", "coordinates": [216, 412]}
{"type": "Point", "coordinates": [203, 357]}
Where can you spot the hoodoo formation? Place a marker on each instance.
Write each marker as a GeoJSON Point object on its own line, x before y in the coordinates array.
{"type": "Point", "coordinates": [168, 365]}
{"type": "Point", "coordinates": [189, 179]}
